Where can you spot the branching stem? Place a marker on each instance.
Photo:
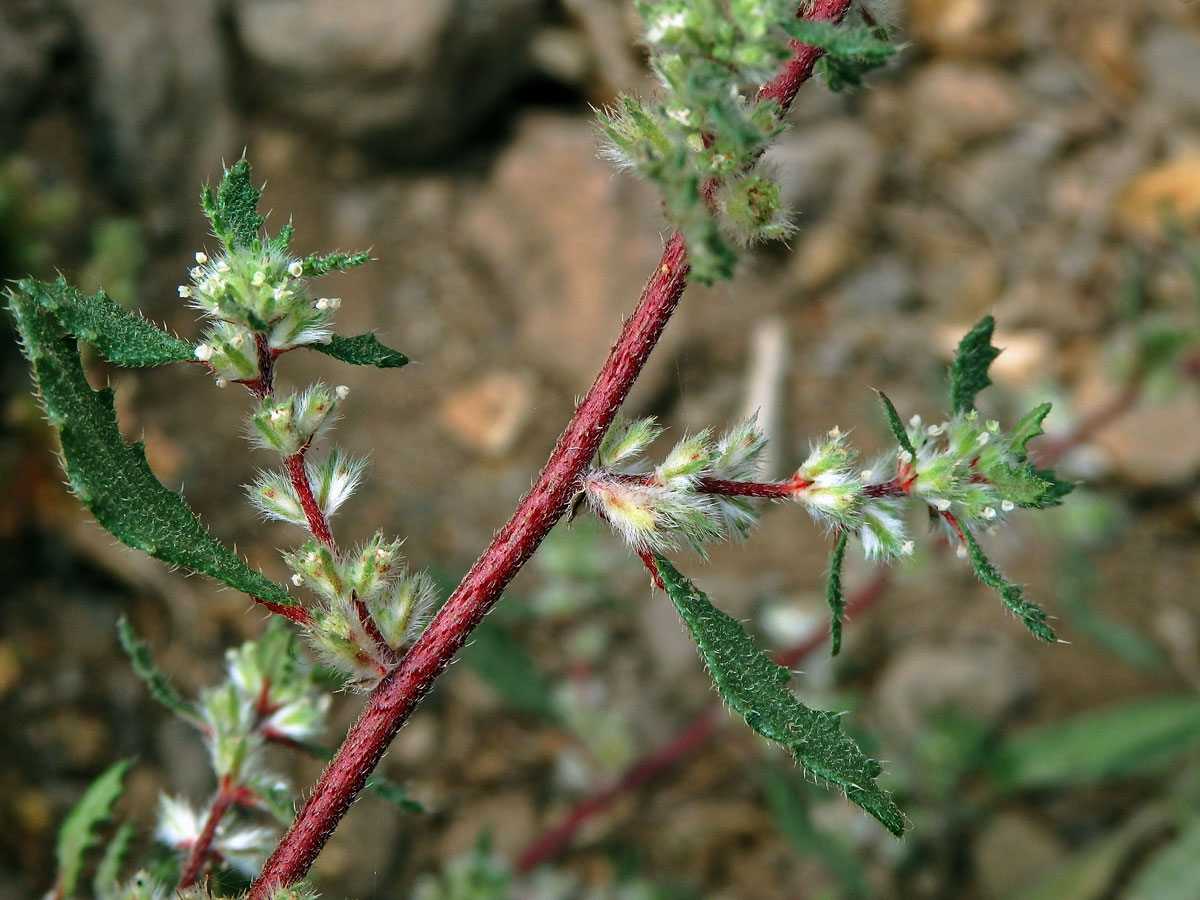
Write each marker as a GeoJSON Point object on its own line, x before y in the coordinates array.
{"type": "Point", "coordinates": [548, 500]}
{"type": "Point", "coordinates": [201, 850]}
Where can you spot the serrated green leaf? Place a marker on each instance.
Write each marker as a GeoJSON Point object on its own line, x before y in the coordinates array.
{"type": "Point", "coordinates": [143, 665]}
{"type": "Point", "coordinates": [757, 689]}
{"type": "Point", "coordinates": [833, 593]}
{"type": "Point", "coordinates": [1029, 427]}
{"type": "Point", "coordinates": [1136, 738]}
{"type": "Point", "coordinates": [108, 872]}
{"type": "Point", "coordinates": [78, 832]}
{"type": "Point", "coordinates": [1011, 594]}
{"type": "Point", "coordinates": [233, 208]}
{"type": "Point", "coordinates": [897, 426]}
{"type": "Point", "coordinates": [122, 337]}
{"type": "Point", "coordinates": [969, 372]}
{"type": "Point", "coordinates": [111, 477]}
{"type": "Point", "coordinates": [362, 350]}
{"type": "Point", "coordinates": [279, 243]}
{"type": "Point", "coordinates": [317, 264]}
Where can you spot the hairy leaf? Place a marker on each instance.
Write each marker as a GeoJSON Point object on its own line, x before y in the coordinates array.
{"type": "Point", "coordinates": [78, 832]}
{"type": "Point", "coordinates": [897, 426]}
{"type": "Point", "coordinates": [833, 593]}
{"type": "Point", "coordinates": [111, 477]}
{"type": "Point", "coordinates": [1029, 427]}
{"type": "Point", "coordinates": [969, 372]}
{"type": "Point", "coordinates": [840, 41]}
{"type": "Point", "coordinates": [143, 665]}
{"type": "Point", "coordinates": [1027, 611]}
{"type": "Point", "coordinates": [316, 264]}
{"type": "Point", "coordinates": [233, 208]}
{"type": "Point", "coordinates": [757, 689]}
{"type": "Point", "coordinates": [108, 872]}
{"type": "Point", "coordinates": [123, 337]}
{"type": "Point", "coordinates": [362, 350]}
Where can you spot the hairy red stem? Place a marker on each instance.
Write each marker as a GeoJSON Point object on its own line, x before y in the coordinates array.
{"type": "Point", "coordinates": [398, 693]}
{"type": "Point", "coordinates": [298, 475]}
{"type": "Point", "coordinates": [694, 736]}
{"type": "Point", "coordinates": [202, 847]}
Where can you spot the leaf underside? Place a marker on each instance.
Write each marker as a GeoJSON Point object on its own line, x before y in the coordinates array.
{"type": "Point", "coordinates": [758, 690]}
{"type": "Point", "coordinates": [112, 478]}
{"type": "Point", "coordinates": [122, 337]}
{"type": "Point", "coordinates": [362, 350]}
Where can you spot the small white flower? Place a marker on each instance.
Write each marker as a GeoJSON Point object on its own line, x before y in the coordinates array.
{"type": "Point", "coordinates": [866, 475]}
{"type": "Point", "coordinates": [322, 303]}
{"type": "Point", "coordinates": [983, 438]}
{"type": "Point", "coordinates": [204, 352]}
{"type": "Point", "coordinates": [196, 272]}
{"type": "Point", "coordinates": [989, 512]}
{"type": "Point", "coordinates": [961, 551]}
{"type": "Point", "coordinates": [259, 278]}
{"type": "Point", "coordinates": [342, 391]}
{"type": "Point", "coordinates": [201, 257]}
{"type": "Point", "coordinates": [908, 547]}
{"type": "Point", "coordinates": [943, 504]}
{"type": "Point", "coordinates": [1007, 505]}
{"type": "Point", "coordinates": [297, 579]}
{"type": "Point", "coordinates": [281, 293]}
{"type": "Point", "coordinates": [934, 430]}
{"type": "Point", "coordinates": [835, 432]}
{"type": "Point", "coordinates": [185, 291]}
{"type": "Point", "coordinates": [277, 414]}
{"type": "Point", "coordinates": [905, 456]}
{"type": "Point", "coordinates": [296, 269]}
{"type": "Point", "coordinates": [222, 266]}
{"type": "Point", "coordinates": [335, 302]}
{"type": "Point", "coordinates": [915, 421]}
{"type": "Point", "coordinates": [221, 382]}
{"type": "Point", "coordinates": [993, 426]}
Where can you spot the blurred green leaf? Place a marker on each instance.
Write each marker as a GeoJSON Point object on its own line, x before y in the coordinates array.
{"type": "Point", "coordinates": [508, 669]}
{"type": "Point", "coordinates": [108, 872]}
{"type": "Point", "coordinates": [1173, 873]}
{"type": "Point", "coordinates": [1131, 739]}
{"type": "Point", "coordinates": [143, 664]}
{"type": "Point", "coordinates": [78, 832]}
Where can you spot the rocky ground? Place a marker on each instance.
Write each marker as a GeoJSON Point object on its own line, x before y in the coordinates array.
{"type": "Point", "coordinates": [1039, 161]}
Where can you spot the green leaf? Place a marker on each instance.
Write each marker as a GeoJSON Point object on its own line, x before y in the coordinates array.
{"type": "Point", "coordinates": [833, 593]}
{"type": "Point", "coordinates": [122, 337]}
{"type": "Point", "coordinates": [508, 669]}
{"type": "Point", "coordinates": [969, 372]}
{"type": "Point", "coordinates": [1029, 427]}
{"type": "Point", "coordinates": [143, 665]}
{"type": "Point", "coordinates": [108, 873]}
{"type": "Point", "coordinates": [757, 689]}
{"type": "Point", "coordinates": [1173, 872]}
{"type": "Point", "coordinates": [111, 477]}
{"type": "Point", "coordinates": [233, 209]}
{"type": "Point", "coordinates": [362, 350]}
{"type": "Point", "coordinates": [316, 264]}
{"type": "Point", "coordinates": [896, 425]}
{"type": "Point", "coordinates": [1011, 594]}
{"type": "Point", "coordinates": [78, 832]}
{"type": "Point", "coordinates": [1136, 738]}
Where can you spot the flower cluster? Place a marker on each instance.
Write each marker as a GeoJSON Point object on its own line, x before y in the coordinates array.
{"type": "Point", "coordinates": [268, 696]}
{"type": "Point", "coordinates": [669, 506]}
{"type": "Point", "coordinates": [371, 608]}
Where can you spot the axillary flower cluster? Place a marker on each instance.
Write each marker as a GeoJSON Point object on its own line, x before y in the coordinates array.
{"type": "Point", "coordinates": [965, 473]}
{"type": "Point", "coordinates": [369, 607]}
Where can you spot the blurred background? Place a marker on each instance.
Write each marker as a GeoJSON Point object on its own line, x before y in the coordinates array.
{"type": "Point", "coordinates": [1036, 160]}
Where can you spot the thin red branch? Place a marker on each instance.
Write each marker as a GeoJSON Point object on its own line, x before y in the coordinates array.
{"type": "Point", "coordinates": [690, 739]}
{"type": "Point", "coordinates": [201, 849]}
{"type": "Point", "coordinates": [297, 613]}
{"type": "Point", "coordinates": [398, 693]}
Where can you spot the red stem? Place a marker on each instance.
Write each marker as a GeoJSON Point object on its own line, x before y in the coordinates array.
{"type": "Point", "coordinates": [298, 474]}
{"type": "Point", "coordinates": [203, 845]}
{"type": "Point", "coordinates": [398, 693]}
{"type": "Point", "coordinates": [691, 738]}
